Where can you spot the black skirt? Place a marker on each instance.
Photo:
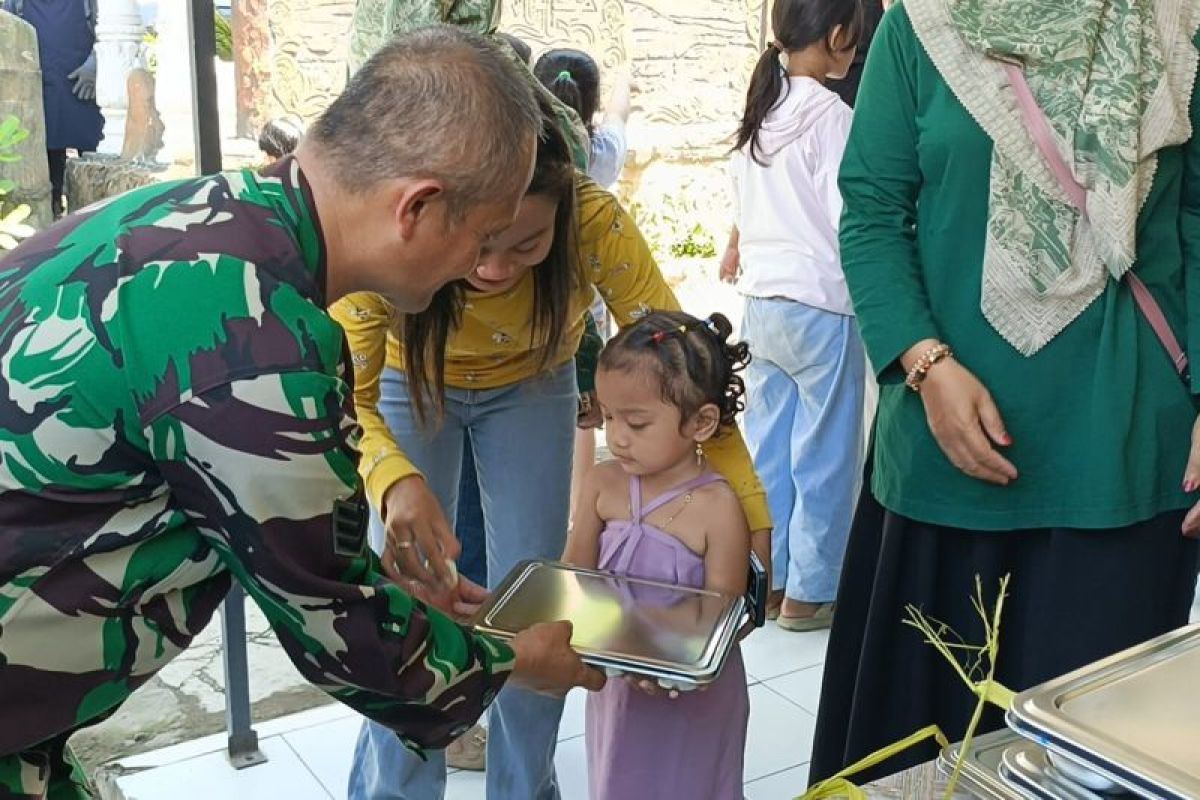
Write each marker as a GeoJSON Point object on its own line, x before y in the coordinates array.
{"type": "Point", "coordinates": [1075, 596]}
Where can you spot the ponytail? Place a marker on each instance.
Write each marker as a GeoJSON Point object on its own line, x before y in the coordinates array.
{"type": "Point", "coordinates": [766, 87]}
{"type": "Point", "coordinates": [569, 94]}
{"type": "Point", "coordinates": [573, 77]}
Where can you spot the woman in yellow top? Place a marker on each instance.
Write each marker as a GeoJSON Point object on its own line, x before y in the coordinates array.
{"type": "Point", "coordinates": [505, 343]}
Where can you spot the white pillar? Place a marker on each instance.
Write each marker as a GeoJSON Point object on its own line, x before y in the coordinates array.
{"type": "Point", "coordinates": [119, 30]}
{"type": "Point", "coordinates": [174, 82]}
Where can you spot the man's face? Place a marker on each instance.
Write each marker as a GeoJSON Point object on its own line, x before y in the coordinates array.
{"type": "Point", "coordinates": [446, 252]}
{"type": "Point", "coordinates": [441, 248]}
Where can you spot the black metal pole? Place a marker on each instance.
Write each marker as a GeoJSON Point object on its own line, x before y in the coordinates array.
{"type": "Point", "coordinates": [205, 112]}
{"type": "Point", "coordinates": [242, 744]}
{"type": "Point", "coordinates": [242, 747]}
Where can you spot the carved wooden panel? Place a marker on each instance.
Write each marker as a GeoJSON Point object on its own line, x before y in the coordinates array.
{"type": "Point", "coordinates": [691, 61]}
{"type": "Point", "coordinates": [309, 41]}
{"type": "Point", "coordinates": [252, 64]}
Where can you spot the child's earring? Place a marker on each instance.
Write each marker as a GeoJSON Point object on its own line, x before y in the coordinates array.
{"type": "Point", "coordinates": [699, 454]}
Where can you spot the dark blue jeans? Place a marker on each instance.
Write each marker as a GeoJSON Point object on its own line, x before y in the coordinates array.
{"type": "Point", "coordinates": [472, 562]}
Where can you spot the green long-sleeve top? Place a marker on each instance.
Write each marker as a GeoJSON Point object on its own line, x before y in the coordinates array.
{"type": "Point", "coordinates": [1100, 420]}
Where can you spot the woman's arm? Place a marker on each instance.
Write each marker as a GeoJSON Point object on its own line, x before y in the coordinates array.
{"type": "Point", "coordinates": [620, 103]}
{"type": "Point", "coordinates": [1189, 233]}
{"type": "Point", "coordinates": [366, 318]}
{"type": "Point", "coordinates": [879, 182]}
{"type": "Point", "coordinates": [394, 485]}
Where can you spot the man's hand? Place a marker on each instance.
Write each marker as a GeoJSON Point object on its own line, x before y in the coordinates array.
{"type": "Point", "coordinates": [420, 546]}
{"type": "Point", "coordinates": [461, 603]}
{"type": "Point", "coordinates": [546, 664]}
{"type": "Point", "coordinates": [84, 77]}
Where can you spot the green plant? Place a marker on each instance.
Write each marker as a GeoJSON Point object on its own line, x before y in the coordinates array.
{"type": "Point", "coordinates": [696, 243]}
{"type": "Point", "coordinates": [224, 34]}
{"type": "Point", "coordinates": [12, 217]}
{"type": "Point", "coordinates": [665, 228]}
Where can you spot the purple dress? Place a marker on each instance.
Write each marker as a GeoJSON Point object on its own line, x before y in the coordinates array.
{"type": "Point", "coordinates": [654, 748]}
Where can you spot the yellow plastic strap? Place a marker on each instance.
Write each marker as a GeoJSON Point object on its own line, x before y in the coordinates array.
{"type": "Point", "coordinates": [839, 786]}
{"type": "Point", "coordinates": [996, 694]}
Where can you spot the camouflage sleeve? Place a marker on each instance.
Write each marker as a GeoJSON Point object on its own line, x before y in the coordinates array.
{"type": "Point", "coordinates": [257, 464]}
{"type": "Point", "coordinates": [588, 355]}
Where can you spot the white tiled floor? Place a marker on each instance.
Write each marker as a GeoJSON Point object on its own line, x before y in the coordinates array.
{"type": "Point", "coordinates": [309, 753]}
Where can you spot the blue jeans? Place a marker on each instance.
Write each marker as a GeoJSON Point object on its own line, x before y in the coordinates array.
{"type": "Point", "coordinates": [522, 436]}
{"type": "Point", "coordinates": [804, 420]}
{"type": "Point", "coordinates": [468, 521]}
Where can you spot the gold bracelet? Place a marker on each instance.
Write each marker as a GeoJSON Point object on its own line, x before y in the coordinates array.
{"type": "Point", "coordinates": [922, 365]}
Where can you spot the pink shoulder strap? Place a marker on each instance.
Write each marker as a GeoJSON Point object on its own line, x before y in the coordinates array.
{"type": "Point", "coordinates": [1039, 130]}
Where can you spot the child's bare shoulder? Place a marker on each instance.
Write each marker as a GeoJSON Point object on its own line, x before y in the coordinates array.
{"type": "Point", "coordinates": [720, 494]}
{"type": "Point", "coordinates": [607, 476]}
{"type": "Point", "coordinates": [721, 505]}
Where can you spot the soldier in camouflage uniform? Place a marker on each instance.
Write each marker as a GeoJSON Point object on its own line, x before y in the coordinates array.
{"type": "Point", "coordinates": [175, 414]}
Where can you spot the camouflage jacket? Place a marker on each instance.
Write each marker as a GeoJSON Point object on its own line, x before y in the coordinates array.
{"type": "Point", "coordinates": [175, 412]}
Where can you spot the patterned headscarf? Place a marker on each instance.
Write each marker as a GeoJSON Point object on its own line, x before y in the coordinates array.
{"type": "Point", "coordinates": [1114, 79]}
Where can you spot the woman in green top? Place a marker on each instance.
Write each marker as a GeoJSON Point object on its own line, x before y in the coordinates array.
{"type": "Point", "coordinates": [1053, 442]}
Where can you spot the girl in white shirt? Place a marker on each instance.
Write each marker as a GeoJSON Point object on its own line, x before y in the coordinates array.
{"type": "Point", "coordinates": [805, 385]}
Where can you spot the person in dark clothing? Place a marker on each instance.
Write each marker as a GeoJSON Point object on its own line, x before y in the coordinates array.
{"type": "Point", "coordinates": [66, 33]}
{"type": "Point", "coordinates": [847, 87]}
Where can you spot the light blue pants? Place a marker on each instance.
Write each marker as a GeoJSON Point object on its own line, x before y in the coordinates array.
{"type": "Point", "coordinates": [804, 420]}
{"type": "Point", "coordinates": [522, 436]}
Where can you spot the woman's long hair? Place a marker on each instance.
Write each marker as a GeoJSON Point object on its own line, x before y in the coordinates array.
{"type": "Point", "coordinates": [797, 24]}
{"type": "Point", "coordinates": [554, 280]}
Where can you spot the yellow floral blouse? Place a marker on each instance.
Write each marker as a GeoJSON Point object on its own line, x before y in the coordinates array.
{"type": "Point", "coordinates": [492, 347]}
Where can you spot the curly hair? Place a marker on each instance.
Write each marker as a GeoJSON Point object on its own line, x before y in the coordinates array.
{"type": "Point", "coordinates": [693, 360]}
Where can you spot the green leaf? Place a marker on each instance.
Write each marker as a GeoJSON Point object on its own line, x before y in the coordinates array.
{"type": "Point", "coordinates": [7, 185]}
{"type": "Point", "coordinates": [8, 126]}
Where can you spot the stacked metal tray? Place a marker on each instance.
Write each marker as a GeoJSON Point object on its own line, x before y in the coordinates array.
{"type": "Point", "coordinates": [1031, 771]}
{"type": "Point", "coordinates": [1132, 719]}
{"type": "Point", "coordinates": [1126, 726]}
{"type": "Point", "coordinates": [1003, 765]}
{"type": "Point", "coordinates": [980, 774]}
{"type": "Point", "coordinates": [679, 636]}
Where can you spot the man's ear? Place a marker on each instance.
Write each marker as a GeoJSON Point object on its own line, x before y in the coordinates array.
{"type": "Point", "coordinates": [414, 202]}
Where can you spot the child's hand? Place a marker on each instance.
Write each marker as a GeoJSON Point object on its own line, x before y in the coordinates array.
{"type": "Point", "coordinates": [647, 686]}
{"type": "Point", "coordinates": [730, 265]}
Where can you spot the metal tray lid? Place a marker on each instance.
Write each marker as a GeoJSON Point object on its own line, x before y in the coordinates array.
{"type": "Point", "coordinates": [980, 774]}
{"type": "Point", "coordinates": [1025, 767]}
{"type": "Point", "coordinates": [629, 624]}
{"type": "Point", "coordinates": [1134, 717]}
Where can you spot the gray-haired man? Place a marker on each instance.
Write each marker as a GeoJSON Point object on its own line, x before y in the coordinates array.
{"type": "Point", "coordinates": [175, 413]}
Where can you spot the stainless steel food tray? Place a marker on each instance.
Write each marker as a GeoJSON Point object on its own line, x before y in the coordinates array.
{"type": "Point", "coordinates": [1133, 717]}
{"type": "Point", "coordinates": [980, 774]}
{"type": "Point", "coordinates": [671, 633]}
{"type": "Point", "coordinates": [1026, 768]}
